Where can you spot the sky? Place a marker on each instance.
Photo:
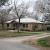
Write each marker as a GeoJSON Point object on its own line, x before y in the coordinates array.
{"type": "Point", "coordinates": [30, 9]}
{"type": "Point", "coordinates": [31, 3]}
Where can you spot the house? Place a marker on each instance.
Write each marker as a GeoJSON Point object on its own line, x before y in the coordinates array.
{"type": "Point", "coordinates": [26, 24]}
{"type": "Point", "coordinates": [47, 24]}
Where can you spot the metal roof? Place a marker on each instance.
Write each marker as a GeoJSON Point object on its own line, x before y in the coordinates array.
{"type": "Point", "coordinates": [25, 20]}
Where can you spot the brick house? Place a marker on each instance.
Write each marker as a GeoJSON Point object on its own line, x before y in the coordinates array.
{"type": "Point", "coordinates": [26, 24]}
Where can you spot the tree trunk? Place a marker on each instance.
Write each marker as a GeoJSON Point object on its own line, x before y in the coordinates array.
{"type": "Point", "coordinates": [19, 25]}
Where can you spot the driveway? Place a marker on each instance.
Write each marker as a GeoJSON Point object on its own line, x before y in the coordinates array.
{"type": "Point", "coordinates": [23, 38]}
{"type": "Point", "coordinates": [6, 45]}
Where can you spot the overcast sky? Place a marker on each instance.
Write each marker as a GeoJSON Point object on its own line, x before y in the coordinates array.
{"type": "Point", "coordinates": [31, 3]}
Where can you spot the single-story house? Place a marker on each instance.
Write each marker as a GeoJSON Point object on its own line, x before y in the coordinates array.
{"type": "Point", "coordinates": [47, 24]}
{"type": "Point", "coordinates": [26, 24]}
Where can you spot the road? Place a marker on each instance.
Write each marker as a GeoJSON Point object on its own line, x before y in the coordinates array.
{"type": "Point", "coordinates": [6, 45]}
{"type": "Point", "coordinates": [14, 43]}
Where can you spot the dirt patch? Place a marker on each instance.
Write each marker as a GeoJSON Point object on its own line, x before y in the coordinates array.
{"type": "Point", "coordinates": [33, 42]}
{"type": "Point", "coordinates": [41, 48]}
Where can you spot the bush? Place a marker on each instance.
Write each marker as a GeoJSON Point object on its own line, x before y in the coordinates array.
{"type": "Point", "coordinates": [42, 42]}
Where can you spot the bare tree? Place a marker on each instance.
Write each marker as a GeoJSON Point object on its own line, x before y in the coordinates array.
{"type": "Point", "coordinates": [39, 6]}
{"type": "Point", "coordinates": [3, 16]}
{"type": "Point", "coordinates": [20, 11]}
{"type": "Point", "coordinates": [43, 6]}
{"type": "Point", "coordinates": [2, 2]}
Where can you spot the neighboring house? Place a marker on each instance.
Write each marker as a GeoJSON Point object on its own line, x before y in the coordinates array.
{"type": "Point", "coordinates": [26, 24]}
{"type": "Point", "coordinates": [47, 24]}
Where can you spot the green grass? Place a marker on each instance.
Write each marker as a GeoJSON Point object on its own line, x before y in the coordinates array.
{"type": "Point", "coordinates": [43, 43]}
{"type": "Point", "coordinates": [16, 34]}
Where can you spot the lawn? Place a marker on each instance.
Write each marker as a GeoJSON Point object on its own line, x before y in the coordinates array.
{"type": "Point", "coordinates": [16, 34]}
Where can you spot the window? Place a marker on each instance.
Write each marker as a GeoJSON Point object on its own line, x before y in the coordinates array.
{"type": "Point", "coordinates": [13, 25]}
{"type": "Point", "coordinates": [7, 25]}
{"type": "Point", "coordinates": [25, 25]}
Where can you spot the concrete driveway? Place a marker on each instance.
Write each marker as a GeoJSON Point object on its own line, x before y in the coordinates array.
{"type": "Point", "coordinates": [6, 45]}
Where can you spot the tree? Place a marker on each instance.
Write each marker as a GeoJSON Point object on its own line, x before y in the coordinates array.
{"type": "Point", "coordinates": [39, 6]}
{"type": "Point", "coordinates": [2, 2]}
{"type": "Point", "coordinates": [3, 16]}
{"type": "Point", "coordinates": [20, 11]}
{"type": "Point", "coordinates": [42, 7]}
